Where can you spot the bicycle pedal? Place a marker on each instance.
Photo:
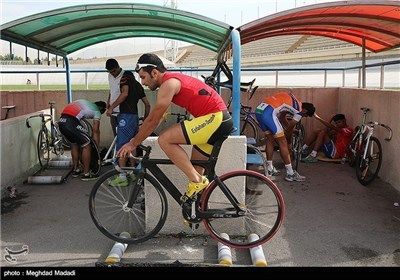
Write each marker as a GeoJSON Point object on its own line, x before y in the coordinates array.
{"type": "Point", "coordinates": [194, 226]}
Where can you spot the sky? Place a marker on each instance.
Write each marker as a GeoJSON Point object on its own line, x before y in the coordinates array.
{"type": "Point", "coordinates": [233, 12]}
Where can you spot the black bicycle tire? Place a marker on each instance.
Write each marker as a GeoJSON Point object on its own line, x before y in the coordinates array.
{"type": "Point", "coordinates": [88, 126]}
{"type": "Point", "coordinates": [358, 162]}
{"type": "Point", "coordinates": [271, 185]}
{"type": "Point", "coordinates": [297, 150]}
{"type": "Point", "coordinates": [56, 135]}
{"type": "Point", "coordinates": [40, 135]}
{"type": "Point", "coordinates": [103, 230]}
{"type": "Point", "coordinates": [253, 128]}
{"type": "Point", "coordinates": [95, 160]}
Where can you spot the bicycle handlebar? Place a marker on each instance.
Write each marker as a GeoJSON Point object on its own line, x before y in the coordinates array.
{"type": "Point", "coordinates": [36, 116]}
{"type": "Point", "coordinates": [385, 126]}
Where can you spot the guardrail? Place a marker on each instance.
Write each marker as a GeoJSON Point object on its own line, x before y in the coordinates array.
{"type": "Point", "coordinates": [196, 70]}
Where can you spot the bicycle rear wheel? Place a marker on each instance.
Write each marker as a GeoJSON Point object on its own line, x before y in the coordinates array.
{"type": "Point", "coordinates": [367, 169]}
{"type": "Point", "coordinates": [260, 199]}
{"type": "Point", "coordinates": [43, 148]}
{"type": "Point", "coordinates": [108, 207]}
{"type": "Point", "coordinates": [298, 136]}
{"type": "Point", "coordinates": [248, 128]}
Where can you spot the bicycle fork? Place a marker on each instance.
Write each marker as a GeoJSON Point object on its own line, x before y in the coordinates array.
{"type": "Point", "coordinates": [368, 149]}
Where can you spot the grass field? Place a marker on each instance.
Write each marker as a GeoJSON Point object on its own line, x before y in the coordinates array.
{"type": "Point", "coordinates": [53, 87]}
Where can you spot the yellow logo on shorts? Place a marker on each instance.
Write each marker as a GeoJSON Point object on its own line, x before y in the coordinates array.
{"type": "Point", "coordinates": [202, 125]}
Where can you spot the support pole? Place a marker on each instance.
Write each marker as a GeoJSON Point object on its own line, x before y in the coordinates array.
{"type": "Point", "coordinates": [382, 80]}
{"type": "Point", "coordinates": [11, 54]}
{"type": "Point", "coordinates": [364, 81]}
{"type": "Point", "coordinates": [86, 80]}
{"type": "Point", "coordinates": [68, 73]}
{"type": "Point", "coordinates": [343, 78]}
{"type": "Point", "coordinates": [235, 36]}
{"type": "Point", "coordinates": [26, 54]}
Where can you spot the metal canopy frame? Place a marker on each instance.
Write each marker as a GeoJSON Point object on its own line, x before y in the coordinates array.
{"type": "Point", "coordinates": [370, 24]}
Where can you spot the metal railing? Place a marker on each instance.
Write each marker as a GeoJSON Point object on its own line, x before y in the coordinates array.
{"type": "Point", "coordinates": [195, 71]}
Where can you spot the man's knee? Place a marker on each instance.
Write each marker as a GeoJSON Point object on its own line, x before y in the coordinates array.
{"type": "Point", "coordinates": [163, 140]}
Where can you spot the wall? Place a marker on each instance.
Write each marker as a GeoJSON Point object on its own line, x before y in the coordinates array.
{"type": "Point", "coordinates": [18, 149]}
{"type": "Point", "coordinates": [385, 108]}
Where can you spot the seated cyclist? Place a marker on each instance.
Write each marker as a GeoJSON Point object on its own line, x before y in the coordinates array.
{"type": "Point", "coordinates": [211, 119]}
{"type": "Point", "coordinates": [333, 141]}
{"type": "Point", "coordinates": [71, 128]}
{"type": "Point", "coordinates": [267, 116]}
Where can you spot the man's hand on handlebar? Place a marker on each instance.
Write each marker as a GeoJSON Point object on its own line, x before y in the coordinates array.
{"type": "Point", "coordinates": [126, 150]}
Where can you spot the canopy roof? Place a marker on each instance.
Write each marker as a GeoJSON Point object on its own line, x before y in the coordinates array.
{"type": "Point", "coordinates": [376, 21]}
{"type": "Point", "coordinates": [64, 31]}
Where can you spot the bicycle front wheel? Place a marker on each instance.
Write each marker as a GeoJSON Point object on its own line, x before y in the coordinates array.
{"type": "Point", "coordinates": [108, 207]}
{"type": "Point", "coordinates": [367, 169]}
{"type": "Point", "coordinates": [43, 148]}
{"type": "Point", "coordinates": [297, 143]}
{"type": "Point", "coordinates": [258, 197]}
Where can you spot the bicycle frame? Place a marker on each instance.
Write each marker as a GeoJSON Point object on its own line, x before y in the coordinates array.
{"type": "Point", "coordinates": [151, 165]}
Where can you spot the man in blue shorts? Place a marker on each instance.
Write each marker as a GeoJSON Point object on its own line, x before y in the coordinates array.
{"type": "Point", "coordinates": [127, 119]}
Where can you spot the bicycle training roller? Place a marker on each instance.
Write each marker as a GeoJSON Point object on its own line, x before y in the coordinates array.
{"type": "Point", "coordinates": [224, 252]}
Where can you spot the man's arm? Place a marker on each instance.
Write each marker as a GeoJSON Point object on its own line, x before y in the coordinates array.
{"type": "Point", "coordinates": [324, 122]}
{"type": "Point", "coordinates": [96, 132]}
{"type": "Point", "coordinates": [164, 99]}
{"type": "Point", "coordinates": [121, 98]}
{"type": "Point", "coordinates": [146, 106]}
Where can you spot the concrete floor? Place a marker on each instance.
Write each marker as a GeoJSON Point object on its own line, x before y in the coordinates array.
{"type": "Point", "coordinates": [331, 221]}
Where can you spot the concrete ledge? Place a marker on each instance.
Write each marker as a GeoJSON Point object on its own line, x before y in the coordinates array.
{"type": "Point", "coordinates": [19, 149]}
{"type": "Point", "coordinates": [232, 156]}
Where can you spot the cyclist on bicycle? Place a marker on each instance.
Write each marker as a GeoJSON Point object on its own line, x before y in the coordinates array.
{"type": "Point", "coordinates": [211, 118]}
{"type": "Point", "coordinates": [267, 116]}
{"type": "Point", "coordinates": [333, 142]}
{"type": "Point", "coordinates": [71, 128]}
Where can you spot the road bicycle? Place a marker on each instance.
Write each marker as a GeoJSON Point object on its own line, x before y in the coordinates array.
{"type": "Point", "coordinates": [223, 206]}
{"type": "Point", "coordinates": [365, 150]}
{"type": "Point", "coordinates": [49, 137]}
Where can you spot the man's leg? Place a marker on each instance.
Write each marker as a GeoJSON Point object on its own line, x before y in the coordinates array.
{"type": "Point", "coordinates": [127, 129]}
{"type": "Point", "coordinates": [75, 155]}
{"type": "Point", "coordinates": [169, 142]}
{"type": "Point", "coordinates": [86, 151]}
{"type": "Point", "coordinates": [310, 141]}
{"type": "Point", "coordinates": [322, 137]}
{"type": "Point", "coordinates": [196, 155]}
{"type": "Point", "coordinates": [291, 175]}
{"type": "Point", "coordinates": [269, 151]}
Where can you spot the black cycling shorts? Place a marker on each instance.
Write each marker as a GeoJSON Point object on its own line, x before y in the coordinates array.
{"type": "Point", "coordinates": [71, 128]}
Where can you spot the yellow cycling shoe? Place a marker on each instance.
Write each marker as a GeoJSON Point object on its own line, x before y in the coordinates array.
{"type": "Point", "coordinates": [194, 188]}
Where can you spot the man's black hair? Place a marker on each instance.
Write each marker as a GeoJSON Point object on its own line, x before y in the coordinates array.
{"type": "Point", "coordinates": [101, 105]}
{"type": "Point", "coordinates": [338, 117]}
{"type": "Point", "coordinates": [151, 58]}
{"type": "Point", "coordinates": [111, 64]}
{"type": "Point", "coordinates": [309, 107]}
